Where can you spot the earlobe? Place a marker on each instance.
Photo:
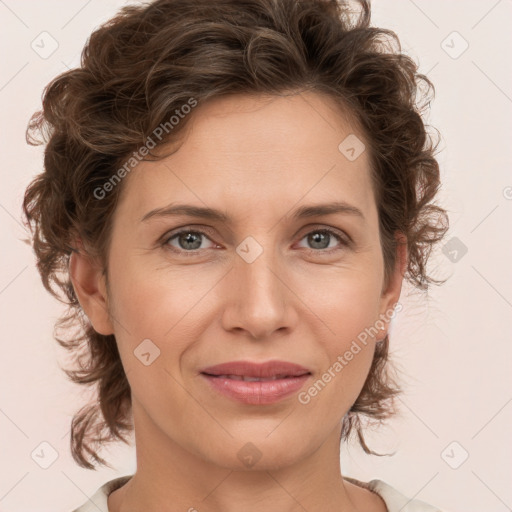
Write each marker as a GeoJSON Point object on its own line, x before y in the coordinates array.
{"type": "Point", "coordinates": [90, 289]}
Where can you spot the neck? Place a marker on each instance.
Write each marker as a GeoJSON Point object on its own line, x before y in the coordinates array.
{"type": "Point", "coordinates": [169, 478]}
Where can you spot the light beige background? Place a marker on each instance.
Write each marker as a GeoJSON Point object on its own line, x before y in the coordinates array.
{"type": "Point", "coordinates": [453, 345]}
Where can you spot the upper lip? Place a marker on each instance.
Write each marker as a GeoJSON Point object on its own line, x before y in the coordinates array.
{"type": "Point", "coordinates": [264, 369]}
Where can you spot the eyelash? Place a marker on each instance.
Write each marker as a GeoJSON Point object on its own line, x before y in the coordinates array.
{"type": "Point", "coordinates": [165, 243]}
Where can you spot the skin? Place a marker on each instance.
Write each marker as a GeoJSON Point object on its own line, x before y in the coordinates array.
{"type": "Point", "coordinates": [257, 159]}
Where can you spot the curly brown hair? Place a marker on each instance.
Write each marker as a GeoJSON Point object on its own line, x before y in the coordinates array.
{"type": "Point", "coordinates": [145, 63]}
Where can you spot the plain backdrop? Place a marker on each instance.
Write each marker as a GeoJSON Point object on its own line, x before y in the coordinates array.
{"type": "Point", "coordinates": [452, 437]}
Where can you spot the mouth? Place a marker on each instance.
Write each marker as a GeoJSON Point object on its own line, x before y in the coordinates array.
{"type": "Point", "coordinates": [247, 378]}
{"type": "Point", "coordinates": [273, 369]}
{"type": "Point", "coordinates": [256, 383]}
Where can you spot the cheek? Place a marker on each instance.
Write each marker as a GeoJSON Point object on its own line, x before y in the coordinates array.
{"type": "Point", "coordinates": [348, 312]}
{"type": "Point", "coordinates": [346, 303]}
{"type": "Point", "coordinates": [348, 357]}
{"type": "Point", "coordinates": [158, 316]}
{"type": "Point", "coordinates": [151, 301]}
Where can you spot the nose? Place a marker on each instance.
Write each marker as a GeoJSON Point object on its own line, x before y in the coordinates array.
{"type": "Point", "coordinates": [259, 300]}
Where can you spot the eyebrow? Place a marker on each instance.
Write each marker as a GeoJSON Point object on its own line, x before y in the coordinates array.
{"type": "Point", "coordinates": [218, 215]}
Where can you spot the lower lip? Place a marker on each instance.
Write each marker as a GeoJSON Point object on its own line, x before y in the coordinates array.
{"type": "Point", "coordinates": [259, 393]}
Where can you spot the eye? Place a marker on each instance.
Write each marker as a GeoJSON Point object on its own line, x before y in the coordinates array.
{"type": "Point", "coordinates": [187, 240]}
{"type": "Point", "coordinates": [190, 242]}
{"type": "Point", "coordinates": [320, 240]}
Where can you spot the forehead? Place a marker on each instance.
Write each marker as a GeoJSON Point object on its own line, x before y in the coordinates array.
{"type": "Point", "coordinates": [247, 153]}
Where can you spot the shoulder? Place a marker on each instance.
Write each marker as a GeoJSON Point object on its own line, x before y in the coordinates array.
{"type": "Point", "coordinates": [98, 501]}
{"type": "Point", "coordinates": [395, 501]}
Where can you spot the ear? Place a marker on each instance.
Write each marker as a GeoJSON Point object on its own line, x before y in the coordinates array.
{"type": "Point", "coordinates": [90, 288]}
{"type": "Point", "coordinates": [391, 294]}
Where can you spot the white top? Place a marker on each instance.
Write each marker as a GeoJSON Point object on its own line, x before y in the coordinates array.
{"type": "Point", "coordinates": [394, 500]}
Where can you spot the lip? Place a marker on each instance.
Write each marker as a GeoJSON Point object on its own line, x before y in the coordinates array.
{"type": "Point", "coordinates": [284, 379]}
{"type": "Point", "coordinates": [262, 370]}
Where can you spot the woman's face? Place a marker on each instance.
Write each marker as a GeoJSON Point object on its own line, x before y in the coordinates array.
{"type": "Point", "coordinates": [263, 284]}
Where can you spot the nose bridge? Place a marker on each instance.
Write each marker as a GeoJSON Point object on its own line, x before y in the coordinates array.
{"type": "Point", "coordinates": [259, 276]}
{"type": "Point", "coordinates": [258, 301]}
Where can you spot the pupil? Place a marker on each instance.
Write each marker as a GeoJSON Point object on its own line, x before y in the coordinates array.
{"type": "Point", "coordinates": [189, 238]}
{"type": "Point", "coordinates": [317, 240]}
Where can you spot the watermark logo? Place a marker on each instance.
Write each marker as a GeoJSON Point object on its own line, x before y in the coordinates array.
{"type": "Point", "coordinates": [249, 455]}
{"type": "Point", "coordinates": [44, 455]}
{"type": "Point", "coordinates": [45, 45]}
{"type": "Point", "coordinates": [351, 147]}
{"type": "Point", "coordinates": [454, 45]}
{"type": "Point", "coordinates": [249, 249]}
{"type": "Point", "coordinates": [146, 352]}
{"type": "Point", "coordinates": [454, 249]}
{"type": "Point", "coordinates": [455, 455]}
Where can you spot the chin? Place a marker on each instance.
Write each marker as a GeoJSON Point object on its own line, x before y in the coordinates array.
{"type": "Point", "coordinates": [256, 453]}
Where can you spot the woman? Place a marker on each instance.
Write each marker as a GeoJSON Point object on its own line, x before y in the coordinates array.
{"type": "Point", "coordinates": [232, 196]}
